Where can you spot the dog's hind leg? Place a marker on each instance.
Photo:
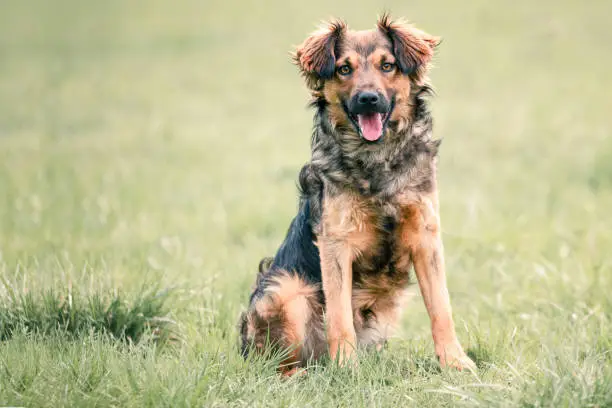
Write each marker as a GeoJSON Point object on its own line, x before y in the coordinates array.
{"type": "Point", "coordinates": [287, 317]}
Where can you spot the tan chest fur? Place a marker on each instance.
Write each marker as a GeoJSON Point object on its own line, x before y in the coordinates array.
{"type": "Point", "coordinates": [378, 237]}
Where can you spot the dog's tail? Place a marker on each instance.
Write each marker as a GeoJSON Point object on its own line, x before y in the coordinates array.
{"type": "Point", "coordinates": [265, 264]}
{"type": "Point", "coordinates": [264, 267]}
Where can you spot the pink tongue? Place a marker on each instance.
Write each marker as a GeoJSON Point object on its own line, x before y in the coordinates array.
{"type": "Point", "coordinates": [371, 125]}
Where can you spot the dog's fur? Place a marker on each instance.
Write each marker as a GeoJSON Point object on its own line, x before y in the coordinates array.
{"type": "Point", "coordinates": [368, 209]}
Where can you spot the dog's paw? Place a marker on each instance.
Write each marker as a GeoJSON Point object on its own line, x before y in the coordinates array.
{"type": "Point", "coordinates": [349, 359]}
{"type": "Point", "coordinates": [294, 372]}
{"type": "Point", "coordinates": [342, 350]}
{"type": "Point", "coordinates": [452, 355]}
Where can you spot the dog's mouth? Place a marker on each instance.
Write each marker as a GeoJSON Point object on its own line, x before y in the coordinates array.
{"type": "Point", "coordinates": [371, 126]}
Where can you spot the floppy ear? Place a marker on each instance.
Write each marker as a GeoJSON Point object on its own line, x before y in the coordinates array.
{"type": "Point", "coordinates": [315, 56]}
{"type": "Point", "coordinates": [412, 47]}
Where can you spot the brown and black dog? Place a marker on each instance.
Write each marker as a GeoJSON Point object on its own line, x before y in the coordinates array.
{"type": "Point", "coordinates": [368, 209]}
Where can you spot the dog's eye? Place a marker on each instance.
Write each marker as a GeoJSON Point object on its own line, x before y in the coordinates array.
{"type": "Point", "coordinates": [344, 70]}
{"type": "Point", "coordinates": [387, 67]}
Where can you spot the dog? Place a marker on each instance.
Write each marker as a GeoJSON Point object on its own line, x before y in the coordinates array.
{"type": "Point", "coordinates": [368, 208]}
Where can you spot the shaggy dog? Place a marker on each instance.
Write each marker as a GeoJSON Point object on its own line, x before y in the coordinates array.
{"type": "Point", "coordinates": [368, 210]}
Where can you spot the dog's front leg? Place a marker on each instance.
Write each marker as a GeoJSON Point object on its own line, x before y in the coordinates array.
{"type": "Point", "coordinates": [423, 237]}
{"type": "Point", "coordinates": [346, 230]}
{"type": "Point", "coordinates": [337, 274]}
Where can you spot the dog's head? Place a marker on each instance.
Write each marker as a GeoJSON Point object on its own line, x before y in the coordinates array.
{"type": "Point", "coordinates": [365, 78]}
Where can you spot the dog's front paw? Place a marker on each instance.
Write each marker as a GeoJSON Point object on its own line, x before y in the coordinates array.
{"type": "Point", "coordinates": [342, 349]}
{"type": "Point", "coordinates": [452, 355]}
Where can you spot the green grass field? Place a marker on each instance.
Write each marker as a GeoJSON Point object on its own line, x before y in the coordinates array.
{"type": "Point", "coordinates": [153, 146]}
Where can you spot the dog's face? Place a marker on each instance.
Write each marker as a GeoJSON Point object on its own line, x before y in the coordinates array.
{"type": "Point", "coordinates": [366, 77]}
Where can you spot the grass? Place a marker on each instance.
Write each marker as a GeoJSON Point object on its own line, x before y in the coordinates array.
{"type": "Point", "coordinates": [157, 144]}
{"type": "Point", "coordinates": [74, 316]}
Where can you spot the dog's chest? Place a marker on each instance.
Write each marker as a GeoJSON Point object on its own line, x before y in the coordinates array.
{"type": "Point", "coordinates": [388, 257]}
{"type": "Point", "coordinates": [386, 174]}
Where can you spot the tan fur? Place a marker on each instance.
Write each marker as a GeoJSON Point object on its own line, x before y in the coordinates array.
{"type": "Point", "coordinates": [347, 232]}
{"type": "Point", "coordinates": [403, 109]}
{"type": "Point", "coordinates": [289, 308]}
{"type": "Point", "coordinates": [420, 231]}
{"type": "Point", "coordinates": [416, 44]}
{"type": "Point", "coordinates": [311, 56]}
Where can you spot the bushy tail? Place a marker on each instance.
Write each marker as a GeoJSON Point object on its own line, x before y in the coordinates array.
{"type": "Point", "coordinates": [265, 264]}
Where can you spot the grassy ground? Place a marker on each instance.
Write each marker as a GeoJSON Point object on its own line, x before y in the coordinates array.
{"type": "Point", "coordinates": [153, 144]}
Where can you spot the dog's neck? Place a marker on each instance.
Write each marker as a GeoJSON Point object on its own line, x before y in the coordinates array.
{"type": "Point", "coordinates": [404, 159]}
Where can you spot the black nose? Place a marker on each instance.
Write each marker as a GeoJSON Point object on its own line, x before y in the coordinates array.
{"type": "Point", "coordinates": [367, 98]}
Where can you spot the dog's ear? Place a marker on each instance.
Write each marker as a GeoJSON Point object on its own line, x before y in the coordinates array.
{"type": "Point", "coordinates": [412, 47]}
{"type": "Point", "coordinates": [316, 56]}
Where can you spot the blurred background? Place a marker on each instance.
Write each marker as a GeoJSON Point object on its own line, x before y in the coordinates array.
{"type": "Point", "coordinates": [159, 142]}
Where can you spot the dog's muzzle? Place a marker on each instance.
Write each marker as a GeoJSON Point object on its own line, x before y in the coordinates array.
{"type": "Point", "coordinates": [369, 112]}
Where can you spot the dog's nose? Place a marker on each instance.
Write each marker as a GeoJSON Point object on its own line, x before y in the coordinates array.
{"type": "Point", "coordinates": [367, 98]}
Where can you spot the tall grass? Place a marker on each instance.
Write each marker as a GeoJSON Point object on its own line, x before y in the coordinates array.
{"type": "Point", "coordinates": [72, 315]}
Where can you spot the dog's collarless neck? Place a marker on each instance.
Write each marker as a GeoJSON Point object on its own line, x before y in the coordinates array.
{"type": "Point", "coordinates": [402, 161]}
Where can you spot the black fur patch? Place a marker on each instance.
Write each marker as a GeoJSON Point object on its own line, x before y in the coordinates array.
{"type": "Point", "coordinates": [298, 252]}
